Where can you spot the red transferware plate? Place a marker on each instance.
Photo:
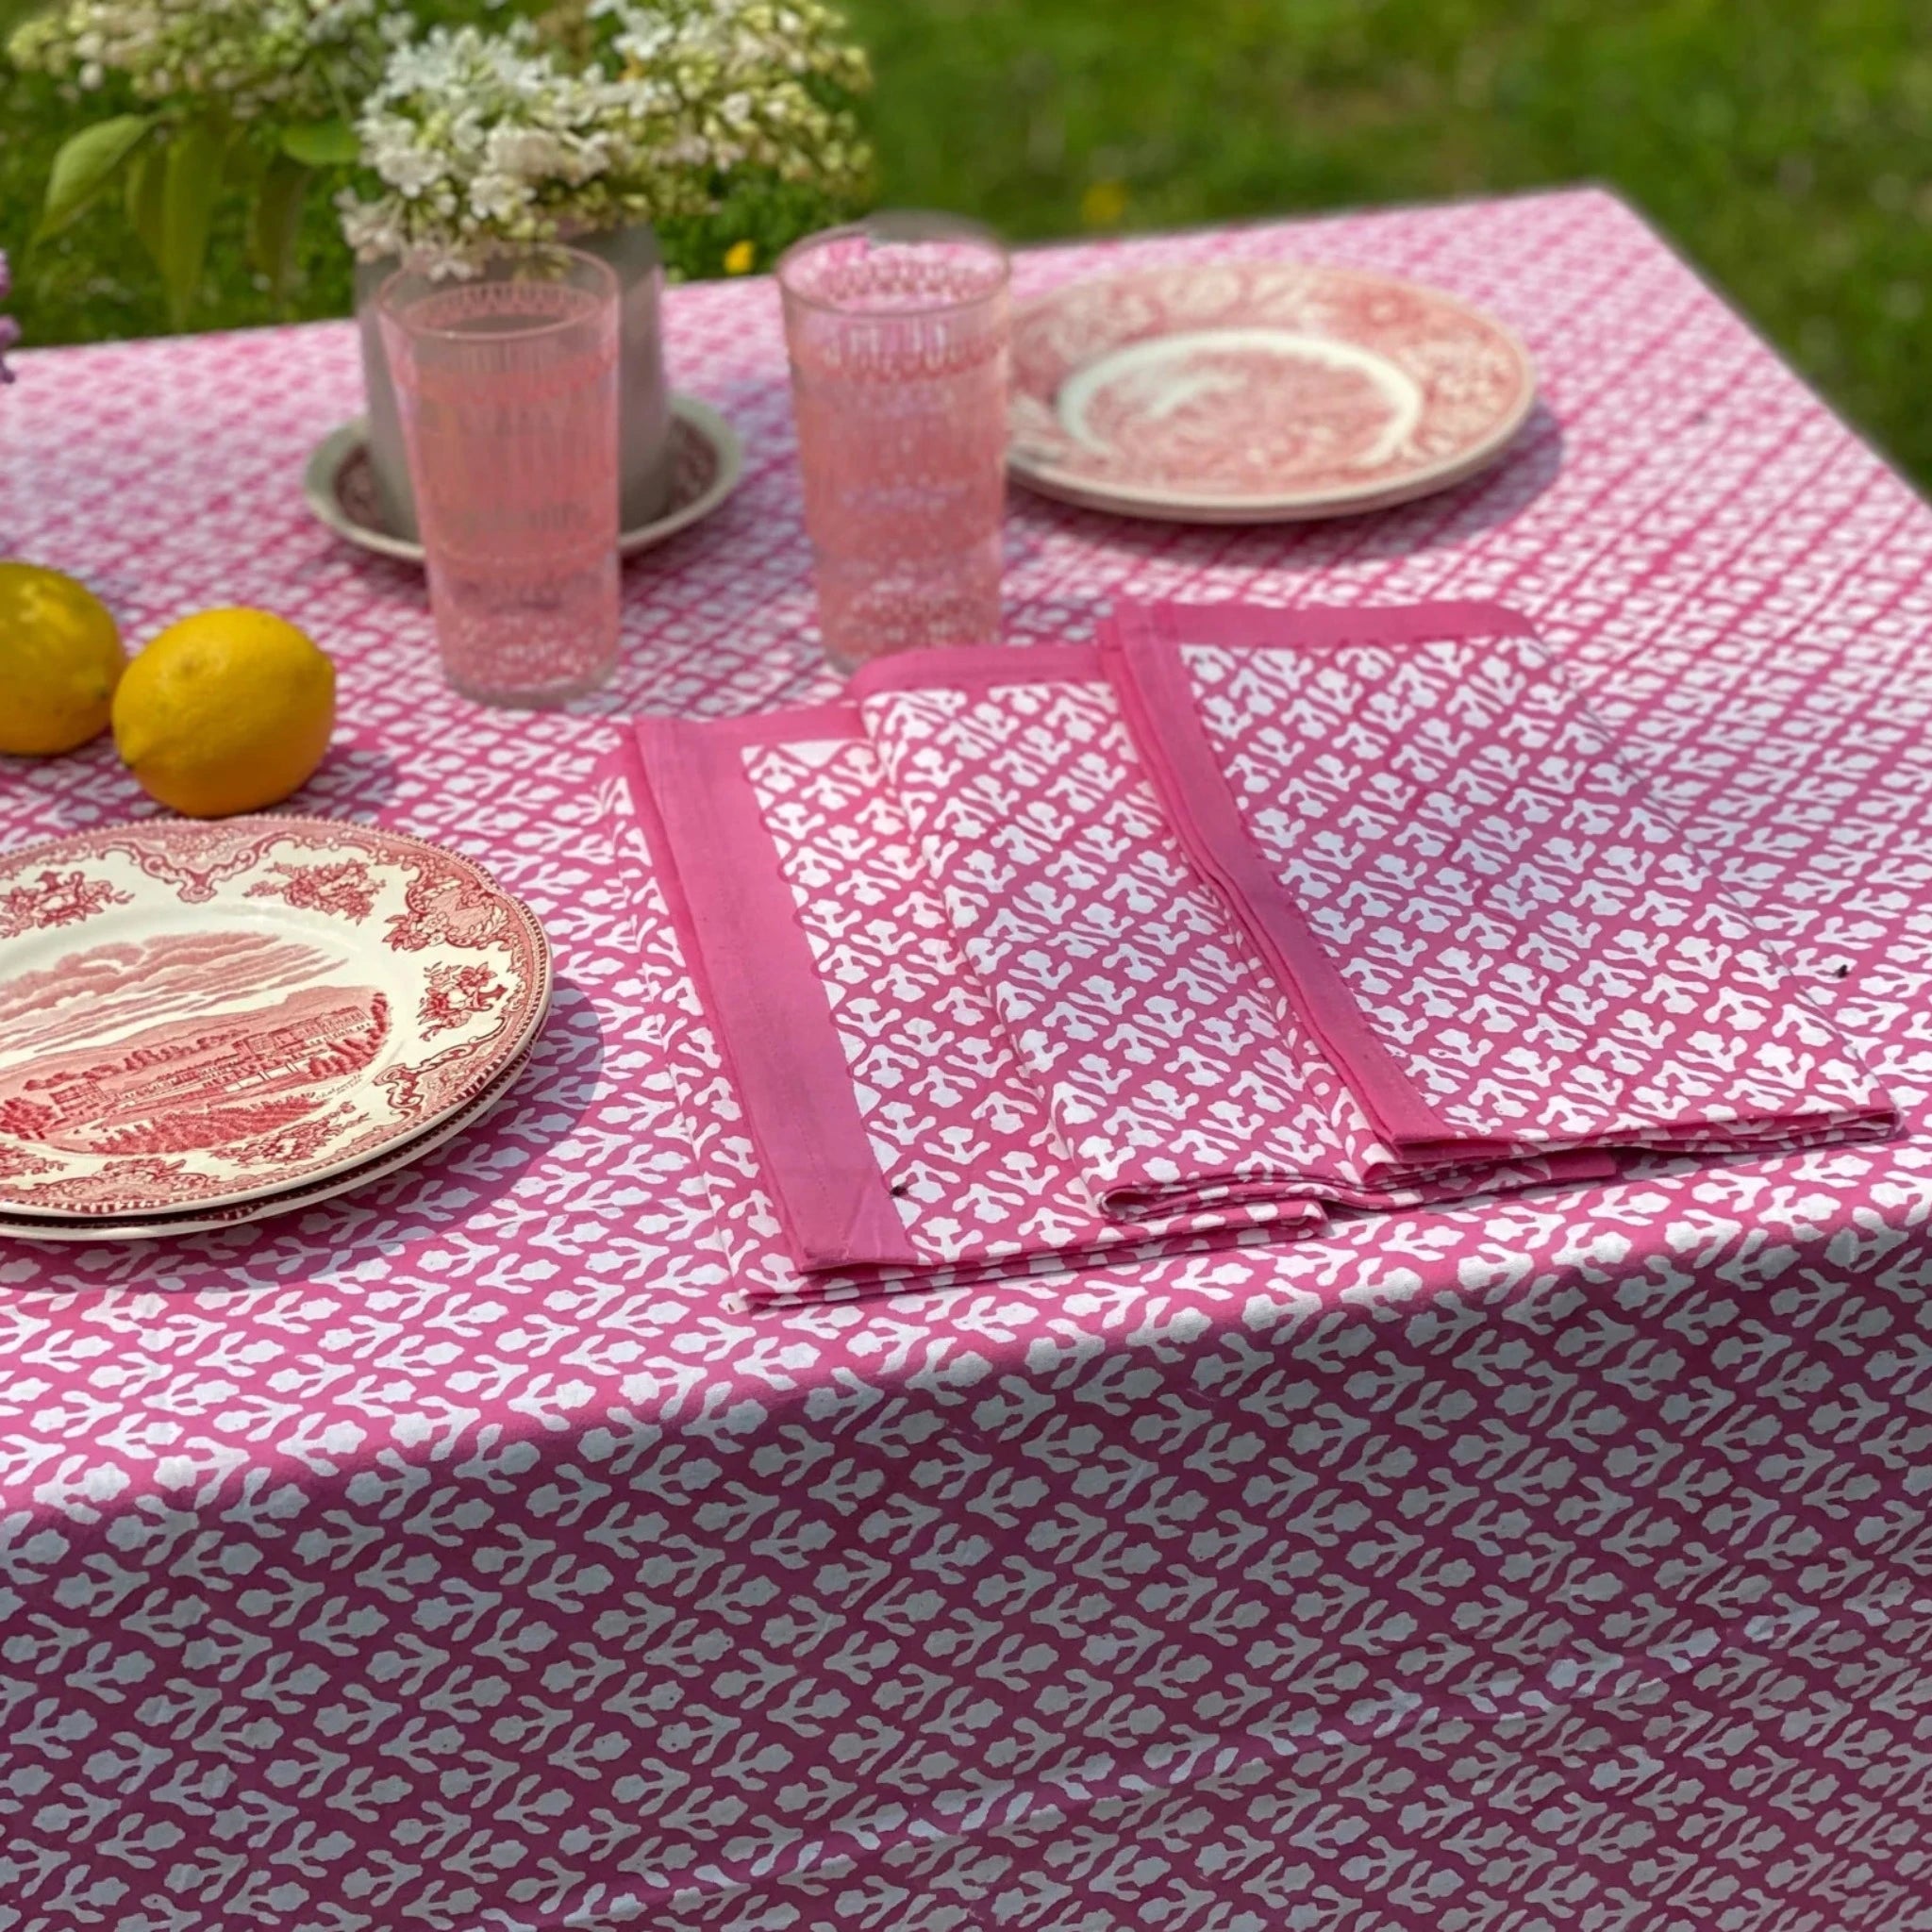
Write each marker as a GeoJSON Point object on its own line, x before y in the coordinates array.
{"type": "Point", "coordinates": [140, 1227]}
{"type": "Point", "coordinates": [1257, 393]}
{"type": "Point", "coordinates": [195, 1014]}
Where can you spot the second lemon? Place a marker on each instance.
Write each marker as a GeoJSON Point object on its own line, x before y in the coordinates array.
{"type": "Point", "coordinates": [226, 712]}
{"type": "Point", "coordinates": [60, 658]}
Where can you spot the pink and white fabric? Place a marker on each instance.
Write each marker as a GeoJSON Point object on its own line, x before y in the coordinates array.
{"type": "Point", "coordinates": [1067, 1050]}
{"type": "Point", "coordinates": [896, 1136]}
{"type": "Point", "coordinates": [1200, 1040]}
{"type": "Point", "coordinates": [1171, 1059]}
{"type": "Point", "coordinates": [460, 1556]}
{"type": "Point", "coordinates": [1491, 928]}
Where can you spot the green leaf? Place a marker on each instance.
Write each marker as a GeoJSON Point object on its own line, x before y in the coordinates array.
{"type": "Point", "coordinates": [274, 221]}
{"type": "Point", "coordinates": [188, 205]}
{"type": "Point", "coordinates": [244, 161]}
{"type": "Point", "coordinates": [322, 144]}
{"type": "Point", "coordinates": [146, 172]}
{"type": "Point", "coordinates": [85, 165]}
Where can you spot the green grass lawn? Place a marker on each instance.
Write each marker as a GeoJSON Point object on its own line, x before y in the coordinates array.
{"type": "Point", "coordinates": [1785, 145]}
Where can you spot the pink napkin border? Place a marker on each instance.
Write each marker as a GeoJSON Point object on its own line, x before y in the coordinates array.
{"type": "Point", "coordinates": [753, 965]}
{"type": "Point", "coordinates": [1138, 649]}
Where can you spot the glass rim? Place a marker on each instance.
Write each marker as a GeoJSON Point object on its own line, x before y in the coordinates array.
{"type": "Point", "coordinates": [610, 290]}
{"type": "Point", "coordinates": [930, 224]}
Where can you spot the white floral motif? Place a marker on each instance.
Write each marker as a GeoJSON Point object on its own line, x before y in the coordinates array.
{"type": "Point", "coordinates": [1530, 935]}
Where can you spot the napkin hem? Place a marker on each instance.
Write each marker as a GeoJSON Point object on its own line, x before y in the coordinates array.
{"type": "Point", "coordinates": [1139, 651]}
{"type": "Point", "coordinates": [1316, 627]}
{"type": "Point", "coordinates": [977, 667]}
{"type": "Point", "coordinates": [754, 972]}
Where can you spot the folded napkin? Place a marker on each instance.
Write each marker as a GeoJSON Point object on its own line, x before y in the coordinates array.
{"type": "Point", "coordinates": [1179, 1068]}
{"type": "Point", "coordinates": [1495, 933]}
{"type": "Point", "coordinates": [896, 1139]}
{"type": "Point", "coordinates": [1027, 958]}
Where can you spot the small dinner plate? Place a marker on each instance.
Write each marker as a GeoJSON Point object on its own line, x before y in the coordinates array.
{"type": "Point", "coordinates": [1236, 392]}
{"type": "Point", "coordinates": [195, 1014]}
{"type": "Point", "coordinates": [137, 1227]}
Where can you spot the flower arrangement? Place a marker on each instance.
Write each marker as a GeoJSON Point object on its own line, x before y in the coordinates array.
{"type": "Point", "coordinates": [607, 112]}
{"type": "Point", "coordinates": [478, 140]}
{"type": "Point", "coordinates": [477, 137]}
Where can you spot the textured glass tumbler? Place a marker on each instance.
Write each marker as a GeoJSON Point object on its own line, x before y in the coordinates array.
{"type": "Point", "coordinates": [507, 385]}
{"type": "Point", "coordinates": [897, 330]}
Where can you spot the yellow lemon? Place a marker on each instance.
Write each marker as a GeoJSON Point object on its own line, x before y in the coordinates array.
{"type": "Point", "coordinates": [227, 711]}
{"type": "Point", "coordinates": [60, 658]}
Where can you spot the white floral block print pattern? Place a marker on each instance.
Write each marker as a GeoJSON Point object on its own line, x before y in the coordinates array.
{"type": "Point", "coordinates": [1175, 1065]}
{"type": "Point", "coordinates": [1532, 939]}
{"type": "Point", "coordinates": [962, 1137]}
{"type": "Point", "coordinates": [462, 1553]}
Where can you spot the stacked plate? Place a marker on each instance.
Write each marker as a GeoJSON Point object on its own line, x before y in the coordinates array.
{"type": "Point", "coordinates": [206, 1024]}
{"type": "Point", "coordinates": [1240, 393]}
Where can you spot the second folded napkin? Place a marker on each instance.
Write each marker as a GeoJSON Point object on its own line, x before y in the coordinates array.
{"type": "Point", "coordinates": [1470, 898]}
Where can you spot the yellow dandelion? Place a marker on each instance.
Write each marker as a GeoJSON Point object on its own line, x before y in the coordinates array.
{"type": "Point", "coordinates": [739, 258]}
{"type": "Point", "coordinates": [1104, 204]}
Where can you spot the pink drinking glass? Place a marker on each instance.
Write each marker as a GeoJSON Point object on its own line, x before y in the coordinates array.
{"type": "Point", "coordinates": [897, 333]}
{"type": "Point", "coordinates": [507, 384]}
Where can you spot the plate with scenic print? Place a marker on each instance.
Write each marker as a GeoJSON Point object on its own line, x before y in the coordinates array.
{"type": "Point", "coordinates": [193, 1014]}
{"type": "Point", "coordinates": [137, 1228]}
{"type": "Point", "coordinates": [1237, 392]}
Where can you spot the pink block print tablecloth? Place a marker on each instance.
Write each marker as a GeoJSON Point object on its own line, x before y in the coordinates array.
{"type": "Point", "coordinates": [462, 1555]}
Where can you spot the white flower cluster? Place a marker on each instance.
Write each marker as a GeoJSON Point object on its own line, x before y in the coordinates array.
{"type": "Point", "coordinates": [731, 84]}
{"type": "Point", "coordinates": [479, 137]}
{"type": "Point", "coordinates": [483, 139]}
{"type": "Point", "coordinates": [297, 59]}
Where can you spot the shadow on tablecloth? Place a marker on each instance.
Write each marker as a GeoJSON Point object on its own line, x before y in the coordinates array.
{"type": "Point", "coordinates": [1446, 520]}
